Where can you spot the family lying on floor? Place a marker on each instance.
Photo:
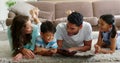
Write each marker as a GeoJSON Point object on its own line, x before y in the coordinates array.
{"type": "Point", "coordinates": [26, 39]}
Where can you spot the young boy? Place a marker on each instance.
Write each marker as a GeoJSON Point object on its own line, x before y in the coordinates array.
{"type": "Point", "coordinates": [46, 44]}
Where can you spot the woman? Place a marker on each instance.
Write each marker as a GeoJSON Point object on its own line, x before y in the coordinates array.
{"type": "Point", "coordinates": [22, 35]}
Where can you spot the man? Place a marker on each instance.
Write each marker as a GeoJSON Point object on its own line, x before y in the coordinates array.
{"type": "Point", "coordinates": [75, 35]}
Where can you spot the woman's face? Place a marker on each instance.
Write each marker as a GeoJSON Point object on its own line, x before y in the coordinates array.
{"type": "Point", "coordinates": [72, 29]}
{"type": "Point", "coordinates": [28, 27]}
{"type": "Point", "coordinates": [47, 37]}
{"type": "Point", "coordinates": [103, 26]}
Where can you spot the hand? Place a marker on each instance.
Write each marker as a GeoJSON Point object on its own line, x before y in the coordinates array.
{"type": "Point", "coordinates": [66, 52]}
{"type": "Point", "coordinates": [44, 51]}
{"type": "Point", "coordinates": [37, 49]}
{"type": "Point", "coordinates": [40, 49]}
{"type": "Point", "coordinates": [73, 49]}
{"type": "Point", "coordinates": [27, 53]}
{"type": "Point", "coordinates": [97, 49]}
{"type": "Point", "coordinates": [18, 57]}
{"type": "Point", "coordinates": [53, 51]}
{"type": "Point", "coordinates": [47, 53]}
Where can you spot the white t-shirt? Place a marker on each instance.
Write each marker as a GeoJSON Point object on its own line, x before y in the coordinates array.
{"type": "Point", "coordinates": [84, 34]}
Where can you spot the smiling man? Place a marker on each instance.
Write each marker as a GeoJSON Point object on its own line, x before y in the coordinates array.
{"type": "Point", "coordinates": [75, 35]}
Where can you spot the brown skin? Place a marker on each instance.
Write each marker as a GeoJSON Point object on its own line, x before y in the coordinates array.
{"type": "Point", "coordinates": [104, 27]}
{"type": "Point", "coordinates": [72, 29]}
{"type": "Point", "coordinates": [44, 51]}
{"type": "Point", "coordinates": [47, 37]}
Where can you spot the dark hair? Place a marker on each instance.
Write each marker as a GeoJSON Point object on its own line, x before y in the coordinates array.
{"type": "Point", "coordinates": [19, 38]}
{"type": "Point", "coordinates": [47, 26]}
{"type": "Point", "coordinates": [109, 19]}
{"type": "Point", "coordinates": [75, 18]}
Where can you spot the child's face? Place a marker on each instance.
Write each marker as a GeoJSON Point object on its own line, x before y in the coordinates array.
{"type": "Point", "coordinates": [47, 37]}
{"type": "Point", "coordinates": [103, 26]}
{"type": "Point", "coordinates": [28, 27]}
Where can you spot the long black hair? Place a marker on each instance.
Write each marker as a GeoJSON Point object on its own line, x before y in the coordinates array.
{"type": "Point", "coordinates": [19, 38]}
{"type": "Point", "coordinates": [109, 19]}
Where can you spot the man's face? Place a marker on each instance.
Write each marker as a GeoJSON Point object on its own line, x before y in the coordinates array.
{"type": "Point", "coordinates": [72, 29]}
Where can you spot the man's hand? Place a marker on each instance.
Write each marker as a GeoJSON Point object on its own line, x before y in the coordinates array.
{"type": "Point", "coordinates": [27, 53]}
{"type": "Point", "coordinates": [73, 49]}
{"type": "Point", "coordinates": [66, 52]}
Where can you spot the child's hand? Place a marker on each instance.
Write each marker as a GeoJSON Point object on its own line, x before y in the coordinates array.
{"type": "Point", "coordinates": [97, 49]}
{"type": "Point", "coordinates": [53, 51]}
{"type": "Point", "coordinates": [37, 50]}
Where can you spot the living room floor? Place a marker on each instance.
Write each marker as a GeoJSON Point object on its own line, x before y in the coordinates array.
{"type": "Point", "coordinates": [5, 54]}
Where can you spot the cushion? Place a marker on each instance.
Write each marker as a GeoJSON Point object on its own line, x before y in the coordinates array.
{"type": "Point", "coordinates": [11, 14]}
{"type": "Point", "coordinates": [92, 20]}
{"type": "Point", "coordinates": [45, 15]}
{"type": "Point", "coordinates": [22, 8]}
{"type": "Point", "coordinates": [117, 20]}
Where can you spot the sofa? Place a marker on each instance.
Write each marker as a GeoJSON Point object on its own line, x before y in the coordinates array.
{"type": "Point", "coordinates": [90, 10]}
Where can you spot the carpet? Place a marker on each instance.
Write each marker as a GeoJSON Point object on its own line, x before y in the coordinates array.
{"type": "Point", "coordinates": [82, 57]}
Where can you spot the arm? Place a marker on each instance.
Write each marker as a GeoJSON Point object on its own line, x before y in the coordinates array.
{"type": "Point", "coordinates": [59, 42]}
{"type": "Point", "coordinates": [58, 35]}
{"type": "Point", "coordinates": [112, 47]}
{"type": "Point", "coordinates": [99, 42]}
{"type": "Point", "coordinates": [102, 50]}
{"type": "Point", "coordinates": [86, 47]}
{"type": "Point", "coordinates": [43, 51]}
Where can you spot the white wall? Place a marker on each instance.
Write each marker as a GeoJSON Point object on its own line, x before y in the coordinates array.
{"type": "Point", "coordinates": [69, 0]}
{"type": "Point", "coordinates": [3, 10]}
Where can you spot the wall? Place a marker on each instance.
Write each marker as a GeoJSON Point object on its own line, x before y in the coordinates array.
{"type": "Point", "coordinates": [3, 10]}
{"type": "Point", "coordinates": [67, 0]}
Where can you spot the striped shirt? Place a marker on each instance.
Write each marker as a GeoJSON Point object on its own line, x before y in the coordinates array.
{"type": "Point", "coordinates": [40, 43]}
